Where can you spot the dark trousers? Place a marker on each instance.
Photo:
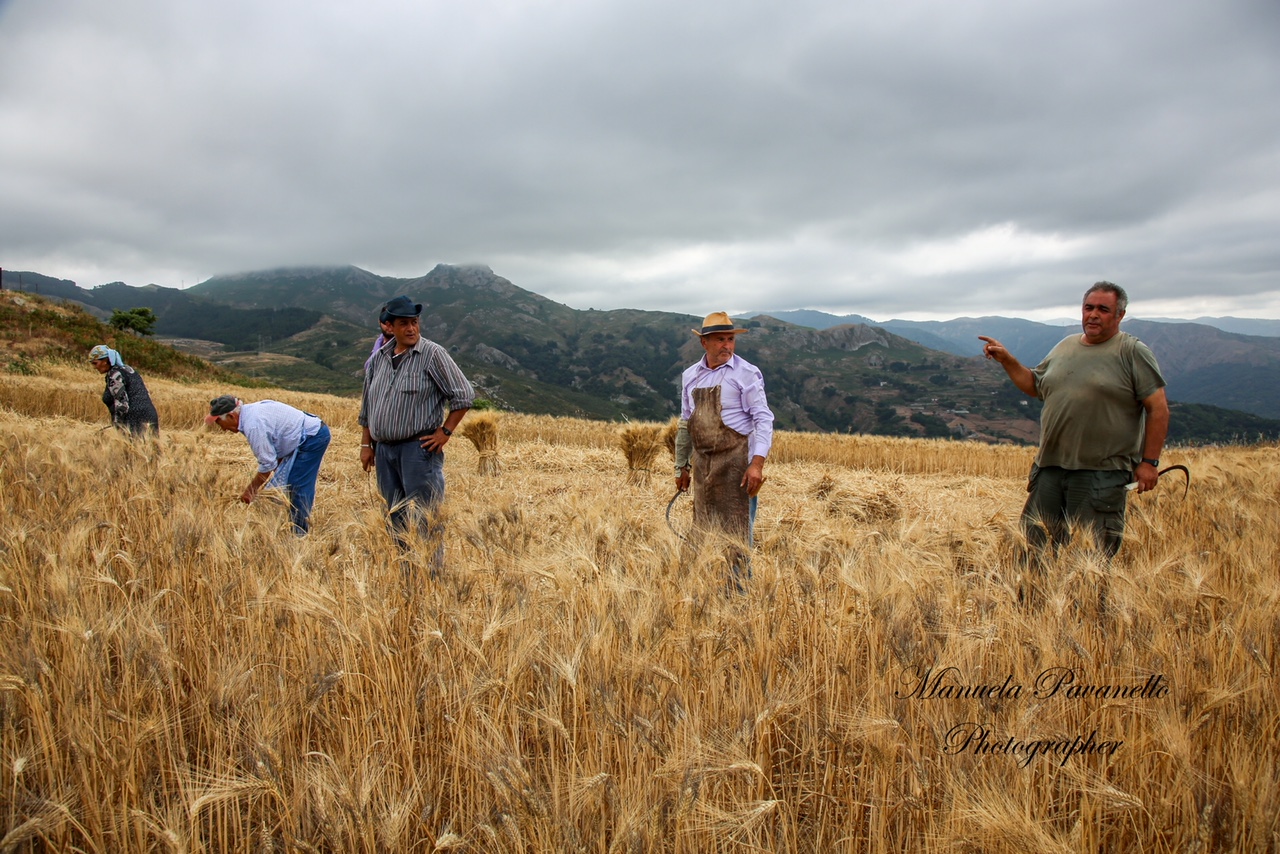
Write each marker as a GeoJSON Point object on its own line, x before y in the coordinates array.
{"type": "Point", "coordinates": [1061, 499]}
{"type": "Point", "coordinates": [301, 485]}
{"type": "Point", "coordinates": [411, 481]}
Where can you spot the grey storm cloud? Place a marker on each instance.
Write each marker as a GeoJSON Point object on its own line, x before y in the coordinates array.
{"type": "Point", "coordinates": [909, 159]}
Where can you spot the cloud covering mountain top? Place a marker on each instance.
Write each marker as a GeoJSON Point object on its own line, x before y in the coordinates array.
{"type": "Point", "coordinates": [919, 159]}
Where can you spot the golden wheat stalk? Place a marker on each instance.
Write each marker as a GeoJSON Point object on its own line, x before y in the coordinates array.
{"type": "Point", "coordinates": [178, 672]}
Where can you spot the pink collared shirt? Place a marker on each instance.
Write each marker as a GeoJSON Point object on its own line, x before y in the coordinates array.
{"type": "Point", "coordinates": [743, 407]}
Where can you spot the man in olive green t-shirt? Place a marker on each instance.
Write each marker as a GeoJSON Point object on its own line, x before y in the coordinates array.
{"type": "Point", "coordinates": [1103, 425]}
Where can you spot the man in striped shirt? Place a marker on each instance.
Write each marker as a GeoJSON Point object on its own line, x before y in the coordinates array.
{"type": "Point", "coordinates": [404, 425]}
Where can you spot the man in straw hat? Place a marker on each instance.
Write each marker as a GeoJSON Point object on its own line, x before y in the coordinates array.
{"type": "Point", "coordinates": [288, 443]}
{"type": "Point", "coordinates": [724, 435]}
{"type": "Point", "coordinates": [405, 428]}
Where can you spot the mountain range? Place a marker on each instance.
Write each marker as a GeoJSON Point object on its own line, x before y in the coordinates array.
{"type": "Point", "coordinates": [311, 328]}
{"type": "Point", "coordinates": [1202, 361]}
{"type": "Point", "coordinates": [944, 333]}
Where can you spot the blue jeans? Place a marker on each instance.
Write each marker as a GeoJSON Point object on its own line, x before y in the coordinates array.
{"type": "Point", "coordinates": [301, 484]}
{"type": "Point", "coordinates": [740, 571]}
{"type": "Point", "coordinates": [411, 480]}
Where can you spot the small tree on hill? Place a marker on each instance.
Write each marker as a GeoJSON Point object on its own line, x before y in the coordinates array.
{"type": "Point", "coordinates": [139, 320]}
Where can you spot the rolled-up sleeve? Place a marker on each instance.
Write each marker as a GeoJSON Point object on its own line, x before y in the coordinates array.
{"type": "Point", "coordinates": [453, 384]}
{"type": "Point", "coordinates": [260, 444]}
{"type": "Point", "coordinates": [756, 406]}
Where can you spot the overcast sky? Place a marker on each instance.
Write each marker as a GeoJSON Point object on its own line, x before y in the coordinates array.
{"type": "Point", "coordinates": [915, 159]}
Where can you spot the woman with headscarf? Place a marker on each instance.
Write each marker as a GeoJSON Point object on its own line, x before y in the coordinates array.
{"type": "Point", "coordinates": [126, 394]}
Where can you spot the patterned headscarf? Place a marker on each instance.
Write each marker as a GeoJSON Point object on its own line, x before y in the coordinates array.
{"type": "Point", "coordinates": [102, 351]}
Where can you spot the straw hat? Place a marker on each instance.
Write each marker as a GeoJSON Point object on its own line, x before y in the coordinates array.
{"type": "Point", "coordinates": [715, 323]}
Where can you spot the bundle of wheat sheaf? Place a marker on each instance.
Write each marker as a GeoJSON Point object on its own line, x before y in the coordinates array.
{"type": "Point", "coordinates": [482, 430]}
{"type": "Point", "coordinates": [640, 444]}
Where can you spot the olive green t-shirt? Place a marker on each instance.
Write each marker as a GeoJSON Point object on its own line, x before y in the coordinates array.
{"type": "Point", "coordinates": [1093, 416]}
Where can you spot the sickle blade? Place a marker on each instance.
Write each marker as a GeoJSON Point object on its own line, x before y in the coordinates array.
{"type": "Point", "coordinates": [670, 504]}
{"type": "Point", "coordinates": [1186, 471]}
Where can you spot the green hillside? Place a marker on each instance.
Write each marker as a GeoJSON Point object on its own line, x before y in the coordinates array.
{"type": "Point", "coordinates": [1200, 424]}
{"type": "Point", "coordinates": [532, 354]}
{"type": "Point", "coordinates": [311, 329]}
{"type": "Point", "coordinates": [34, 328]}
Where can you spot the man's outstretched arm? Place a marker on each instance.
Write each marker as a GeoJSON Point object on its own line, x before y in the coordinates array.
{"type": "Point", "coordinates": [1018, 372]}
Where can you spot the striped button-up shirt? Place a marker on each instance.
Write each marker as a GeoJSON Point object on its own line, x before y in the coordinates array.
{"type": "Point", "coordinates": [743, 406]}
{"type": "Point", "coordinates": [402, 402]}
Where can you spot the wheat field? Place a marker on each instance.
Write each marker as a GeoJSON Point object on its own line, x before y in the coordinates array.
{"type": "Point", "coordinates": [178, 673]}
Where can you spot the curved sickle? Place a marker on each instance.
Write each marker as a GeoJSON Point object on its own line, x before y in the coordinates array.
{"type": "Point", "coordinates": [670, 504]}
{"type": "Point", "coordinates": [1186, 471]}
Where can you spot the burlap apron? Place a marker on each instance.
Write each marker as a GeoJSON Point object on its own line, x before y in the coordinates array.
{"type": "Point", "coordinates": [719, 458]}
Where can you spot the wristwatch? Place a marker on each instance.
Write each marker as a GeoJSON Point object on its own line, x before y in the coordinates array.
{"type": "Point", "coordinates": [1151, 462]}
{"type": "Point", "coordinates": [445, 430]}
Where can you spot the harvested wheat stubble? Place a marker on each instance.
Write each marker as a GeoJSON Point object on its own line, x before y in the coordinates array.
{"type": "Point", "coordinates": [178, 672]}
